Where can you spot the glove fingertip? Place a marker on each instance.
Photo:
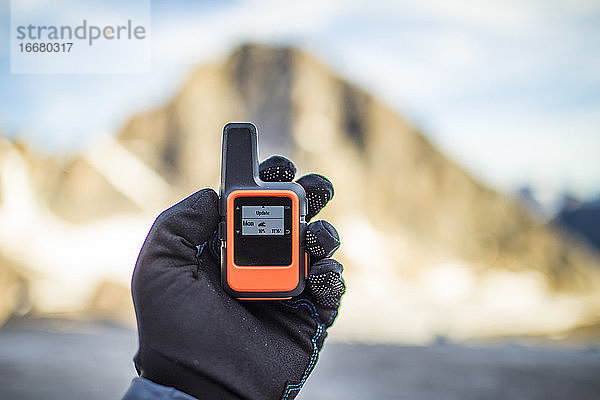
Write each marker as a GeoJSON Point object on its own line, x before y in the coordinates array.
{"type": "Point", "coordinates": [322, 239]}
{"type": "Point", "coordinates": [319, 191]}
{"type": "Point", "coordinates": [326, 284]}
{"type": "Point", "coordinates": [326, 265]}
{"type": "Point", "coordinates": [317, 181]}
{"type": "Point", "coordinates": [277, 169]}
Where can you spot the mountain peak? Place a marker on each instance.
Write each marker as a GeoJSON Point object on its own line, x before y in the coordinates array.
{"type": "Point", "coordinates": [419, 234]}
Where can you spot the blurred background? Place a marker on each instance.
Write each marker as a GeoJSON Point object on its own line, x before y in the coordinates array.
{"type": "Point", "coordinates": [463, 140]}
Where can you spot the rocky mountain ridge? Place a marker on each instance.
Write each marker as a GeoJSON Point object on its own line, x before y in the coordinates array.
{"type": "Point", "coordinates": [428, 250]}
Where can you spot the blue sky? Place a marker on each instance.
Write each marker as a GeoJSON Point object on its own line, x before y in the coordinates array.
{"type": "Point", "coordinates": [509, 89]}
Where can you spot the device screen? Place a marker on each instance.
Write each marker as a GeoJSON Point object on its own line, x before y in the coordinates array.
{"type": "Point", "coordinates": [262, 231]}
{"type": "Point", "coordinates": [262, 220]}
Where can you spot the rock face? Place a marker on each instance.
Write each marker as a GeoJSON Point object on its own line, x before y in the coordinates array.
{"type": "Point", "coordinates": [382, 167]}
{"type": "Point", "coordinates": [581, 220]}
{"type": "Point", "coordinates": [428, 250]}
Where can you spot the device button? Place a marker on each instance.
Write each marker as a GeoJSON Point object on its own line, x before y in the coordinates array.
{"type": "Point", "coordinates": [222, 230]}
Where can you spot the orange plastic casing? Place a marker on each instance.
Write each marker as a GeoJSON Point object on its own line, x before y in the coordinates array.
{"type": "Point", "coordinates": [285, 280]}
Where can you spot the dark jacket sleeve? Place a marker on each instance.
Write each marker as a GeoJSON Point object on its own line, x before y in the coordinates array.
{"type": "Point", "coordinates": [145, 389]}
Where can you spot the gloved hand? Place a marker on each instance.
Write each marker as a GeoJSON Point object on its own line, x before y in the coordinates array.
{"type": "Point", "coordinates": [196, 338]}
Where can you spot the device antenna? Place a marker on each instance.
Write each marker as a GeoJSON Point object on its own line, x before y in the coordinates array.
{"type": "Point", "coordinates": [239, 162]}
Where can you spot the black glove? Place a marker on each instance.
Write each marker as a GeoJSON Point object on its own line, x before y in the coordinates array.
{"type": "Point", "coordinates": [196, 338]}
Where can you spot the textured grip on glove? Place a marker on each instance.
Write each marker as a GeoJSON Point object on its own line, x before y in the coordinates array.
{"type": "Point", "coordinates": [319, 191]}
{"type": "Point", "coordinates": [277, 169]}
{"type": "Point", "coordinates": [328, 286]}
{"type": "Point", "coordinates": [279, 340]}
{"type": "Point", "coordinates": [322, 240]}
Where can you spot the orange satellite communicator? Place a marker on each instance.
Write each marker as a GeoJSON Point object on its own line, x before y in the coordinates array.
{"type": "Point", "coordinates": [262, 224]}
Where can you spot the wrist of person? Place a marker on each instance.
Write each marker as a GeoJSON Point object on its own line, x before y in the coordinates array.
{"type": "Point", "coordinates": [145, 389]}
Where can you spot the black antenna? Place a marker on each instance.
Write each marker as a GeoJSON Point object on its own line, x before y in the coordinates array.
{"type": "Point", "coordinates": [239, 162]}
